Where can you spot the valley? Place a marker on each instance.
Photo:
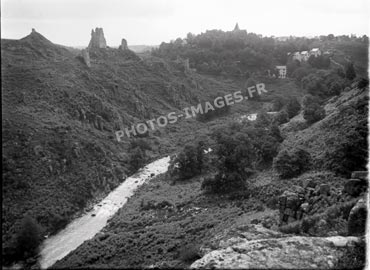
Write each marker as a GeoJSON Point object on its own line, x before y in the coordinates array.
{"type": "Point", "coordinates": [295, 171]}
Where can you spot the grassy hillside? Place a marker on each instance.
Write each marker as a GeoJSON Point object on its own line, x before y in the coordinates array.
{"type": "Point", "coordinates": [60, 151]}
{"type": "Point", "coordinates": [59, 118]}
{"type": "Point", "coordinates": [171, 223]}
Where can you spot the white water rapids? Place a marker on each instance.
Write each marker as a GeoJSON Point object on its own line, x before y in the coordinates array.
{"type": "Point", "coordinates": [89, 224]}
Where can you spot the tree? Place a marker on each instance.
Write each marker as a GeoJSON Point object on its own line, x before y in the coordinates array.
{"type": "Point", "coordinates": [278, 103]}
{"type": "Point", "coordinates": [350, 71]}
{"type": "Point", "coordinates": [312, 111]}
{"type": "Point", "coordinates": [293, 107]}
{"type": "Point", "coordinates": [291, 163]}
{"type": "Point", "coordinates": [236, 163]}
{"type": "Point", "coordinates": [189, 162]}
{"type": "Point", "coordinates": [281, 117]}
{"type": "Point", "coordinates": [314, 85]}
{"type": "Point", "coordinates": [28, 238]}
{"type": "Point", "coordinates": [335, 89]}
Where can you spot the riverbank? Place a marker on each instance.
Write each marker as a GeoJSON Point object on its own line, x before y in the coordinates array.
{"type": "Point", "coordinates": [163, 225]}
{"type": "Point", "coordinates": [88, 225]}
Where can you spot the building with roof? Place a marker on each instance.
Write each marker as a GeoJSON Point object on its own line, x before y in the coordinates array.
{"type": "Point", "coordinates": [316, 52]}
{"type": "Point", "coordinates": [281, 71]}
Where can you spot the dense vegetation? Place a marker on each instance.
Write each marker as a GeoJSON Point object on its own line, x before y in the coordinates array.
{"type": "Point", "coordinates": [239, 53]}
{"type": "Point", "coordinates": [60, 151]}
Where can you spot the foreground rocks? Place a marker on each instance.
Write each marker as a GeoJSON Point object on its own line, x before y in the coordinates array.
{"type": "Point", "coordinates": [357, 218]}
{"type": "Point", "coordinates": [265, 248]}
{"type": "Point", "coordinates": [300, 202]}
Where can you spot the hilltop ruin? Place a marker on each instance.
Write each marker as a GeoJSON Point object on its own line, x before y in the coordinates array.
{"type": "Point", "coordinates": [97, 39]}
{"type": "Point", "coordinates": [123, 45]}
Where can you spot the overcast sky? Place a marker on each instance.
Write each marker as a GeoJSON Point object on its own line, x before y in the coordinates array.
{"type": "Point", "coordinates": [69, 22]}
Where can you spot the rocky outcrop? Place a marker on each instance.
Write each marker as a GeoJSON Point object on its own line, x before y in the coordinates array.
{"type": "Point", "coordinates": [123, 45]}
{"type": "Point", "coordinates": [357, 184]}
{"type": "Point", "coordinates": [86, 57]}
{"type": "Point", "coordinates": [299, 202]}
{"type": "Point", "coordinates": [97, 40]}
{"type": "Point", "coordinates": [357, 218]}
{"type": "Point", "coordinates": [269, 249]}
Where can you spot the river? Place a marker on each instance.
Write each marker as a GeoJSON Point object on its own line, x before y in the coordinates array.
{"type": "Point", "coordinates": [90, 223]}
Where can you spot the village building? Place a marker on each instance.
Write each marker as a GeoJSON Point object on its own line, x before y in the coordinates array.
{"type": "Point", "coordinates": [281, 71]}
{"type": "Point", "coordinates": [315, 52]}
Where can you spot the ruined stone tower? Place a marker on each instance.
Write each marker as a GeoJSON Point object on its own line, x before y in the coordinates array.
{"type": "Point", "coordinates": [97, 39]}
{"type": "Point", "coordinates": [123, 45]}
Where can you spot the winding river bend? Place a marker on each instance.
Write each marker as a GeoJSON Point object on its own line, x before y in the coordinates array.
{"type": "Point", "coordinates": [87, 226]}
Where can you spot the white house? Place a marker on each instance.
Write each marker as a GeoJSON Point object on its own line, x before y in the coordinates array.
{"type": "Point", "coordinates": [305, 55]}
{"type": "Point", "coordinates": [282, 71]}
{"type": "Point", "coordinates": [315, 51]}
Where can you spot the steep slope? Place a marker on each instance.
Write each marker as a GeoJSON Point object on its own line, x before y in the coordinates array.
{"type": "Point", "coordinates": [346, 118]}
{"type": "Point", "coordinates": [59, 118]}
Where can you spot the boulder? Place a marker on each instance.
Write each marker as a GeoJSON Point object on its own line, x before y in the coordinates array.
{"type": "Point", "coordinates": [357, 219]}
{"type": "Point", "coordinates": [278, 251]}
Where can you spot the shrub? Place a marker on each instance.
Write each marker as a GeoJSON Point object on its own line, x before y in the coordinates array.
{"type": "Point", "coordinates": [314, 85]}
{"type": "Point", "coordinates": [350, 71]}
{"type": "Point", "coordinates": [189, 253]}
{"type": "Point", "coordinates": [312, 111]}
{"type": "Point", "coordinates": [335, 89]}
{"type": "Point", "coordinates": [137, 159]}
{"type": "Point", "coordinates": [293, 107]}
{"type": "Point", "coordinates": [225, 182]}
{"type": "Point", "coordinates": [274, 131]}
{"type": "Point", "coordinates": [363, 83]}
{"type": "Point", "coordinates": [28, 238]}
{"type": "Point", "coordinates": [349, 151]}
{"type": "Point", "coordinates": [141, 143]}
{"type": "Point", "coordinates": [292, 163]}
{"type": "Point", "coordinates": [278, 103]}
{"type": "Point", "coordinates": [281, 117]}
{"type": "Point", "coordinates": [189, 162]}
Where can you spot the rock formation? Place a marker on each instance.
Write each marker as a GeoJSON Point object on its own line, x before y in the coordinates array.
{"type": "Point", "coordinates": [86, 57]}
{"type": "Point", "coordinates": [257, 247]}
{"type": "Point", "coordinates": [357, 218]}
{"type": "Point", "coordinates": [97, 39]}
{"type": "Point", "coordinates": [123, 46]}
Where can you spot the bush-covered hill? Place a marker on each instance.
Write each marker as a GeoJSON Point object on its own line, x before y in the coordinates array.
{"type": "Point", "coordinates": [239, 53]}
{"type": "Point", "coordinates": [174, 219]}
{"type": "Point", "coordinates": [59, 118]}
{"type": "Point", "coordinates": [339, 141]}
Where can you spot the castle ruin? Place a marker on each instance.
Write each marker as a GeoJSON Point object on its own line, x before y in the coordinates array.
{"type": "Point", "coordinates": [123, 46]}
{"type": "Point", "coordinates": [97, 39]}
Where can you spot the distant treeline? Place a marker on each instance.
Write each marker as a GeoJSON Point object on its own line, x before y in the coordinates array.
{"type": "Point", "coordinates": [241, 53]}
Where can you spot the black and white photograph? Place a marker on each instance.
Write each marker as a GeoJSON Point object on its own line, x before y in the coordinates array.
{"type": "Point", "coordinates": [185, 134]}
